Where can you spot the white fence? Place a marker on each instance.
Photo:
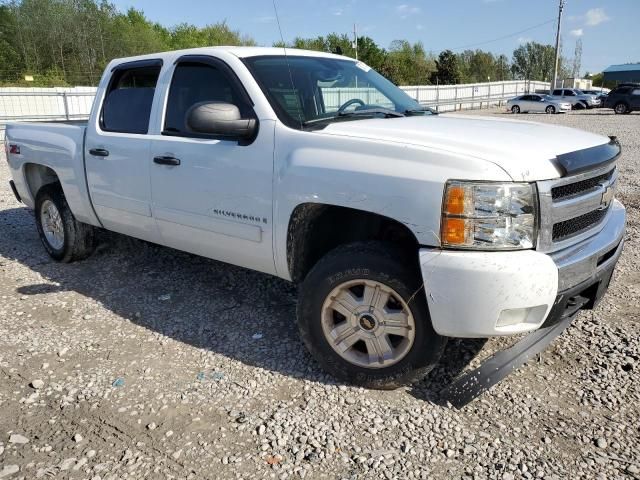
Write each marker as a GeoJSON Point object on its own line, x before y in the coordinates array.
{"type": "Point", "coordinates": [445, 98]}
{"type": "Point", "coordinates": [75, 103]}
{"type": "Point", "coordinates": [43, 104]}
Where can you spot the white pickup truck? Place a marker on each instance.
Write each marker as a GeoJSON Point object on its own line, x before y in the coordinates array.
{"type": "Point", "coordinates": [402, 227]}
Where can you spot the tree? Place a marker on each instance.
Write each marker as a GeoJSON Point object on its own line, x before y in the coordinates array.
{"type": "Point", "coordinates": [533, 61]}
{"type": "Point", "coordinates": [447, 68]}
{"type": "Point", "coordinates": [71, 41]}
{"type": "Point", "coordinates": [479, 66]}
{"type": "Point", "coordinates": [503, 68]}
{"type": "Point", "coordinates": [408, 64]}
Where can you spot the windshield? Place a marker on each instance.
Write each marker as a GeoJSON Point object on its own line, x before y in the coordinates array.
{"type": "Point", "coordinates": [313, 91]}
{"type": "Point", "coordinates": [548, 97]}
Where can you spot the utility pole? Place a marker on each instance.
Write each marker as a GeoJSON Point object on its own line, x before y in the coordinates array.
{"type": "Point", "coordinates": [557, 57]}
{"type": "Point", "coordinates": [355, 39]}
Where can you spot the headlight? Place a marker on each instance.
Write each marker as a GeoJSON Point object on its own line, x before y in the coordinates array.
{"type": "Point", "coordinates": [488, 216]}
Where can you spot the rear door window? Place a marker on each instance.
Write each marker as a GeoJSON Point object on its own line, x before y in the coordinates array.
{"type": "Point", "coordinates": [127, 104]}
{"type": "Point", "coordinates": [557, 92]}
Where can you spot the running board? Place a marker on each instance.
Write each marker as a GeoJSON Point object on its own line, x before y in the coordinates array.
{"type": "Point", "coordinates": [474, 383]}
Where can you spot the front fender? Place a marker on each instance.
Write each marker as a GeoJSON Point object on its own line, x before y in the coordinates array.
{"type": "Point", "coordinates": [402, 182]}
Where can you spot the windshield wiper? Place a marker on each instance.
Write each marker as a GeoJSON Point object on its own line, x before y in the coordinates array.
{"type": "Point", "coordinates": [413, 111]}
{"type": "Point", "coordinates": [365, 112]}
{"type": "Point", "coordinates": [387, 112]}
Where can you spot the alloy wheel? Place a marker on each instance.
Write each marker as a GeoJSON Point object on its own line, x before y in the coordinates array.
{"type": "Point", "coordinates": [368, 323]}
{"type": "Point", "coordinates": [52, 224]}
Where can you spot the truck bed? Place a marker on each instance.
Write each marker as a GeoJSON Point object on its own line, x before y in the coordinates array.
{"type": "Point", "coordinates": [58, 145]}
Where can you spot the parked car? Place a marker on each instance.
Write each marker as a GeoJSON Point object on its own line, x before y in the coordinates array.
{"type": "Point", "coordinates": [537, 103]}
{"type": "Point", "coordinates": [402, 227]}
{"type": "Point", "coordinates": [599, 94]}
{"type": "Point", "coordinates": [575, 97]}
{"type": "Point", "coordinates": [624, 99]}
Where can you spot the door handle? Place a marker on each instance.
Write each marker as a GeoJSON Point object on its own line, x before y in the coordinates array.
{"type": "Point", "coordinates": [99, 152]}
{"type": "Point", "coordinates": [161, 160]}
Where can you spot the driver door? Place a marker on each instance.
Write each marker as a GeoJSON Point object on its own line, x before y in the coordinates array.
{"type": "Point", "coordinates": [214, 198]}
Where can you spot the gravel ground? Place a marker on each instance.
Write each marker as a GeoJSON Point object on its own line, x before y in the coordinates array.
{"type": "Point", "coordinates": [144, 362]}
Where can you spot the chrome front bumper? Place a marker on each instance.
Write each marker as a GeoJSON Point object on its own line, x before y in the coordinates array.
{"type": "Point", "coordinates": [582, 261]}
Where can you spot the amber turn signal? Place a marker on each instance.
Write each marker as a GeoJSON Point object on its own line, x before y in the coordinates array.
{"type": "Point", "coordinates": [453, 230]}
{"type": "Point", "coordinates": [454, 201]}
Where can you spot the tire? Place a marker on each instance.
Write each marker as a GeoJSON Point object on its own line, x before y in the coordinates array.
{"type": "Point", "coordinates": [620, 108]}
{"type": "Point", "coordinates": [64, 238]}
{"type": "Point", "coordinates": [550, 109]}
{"type": "Point", "coordinates": [515, 109]}
{"type": "Point", "coordinates": [579, 106]}
{"type": "Point", "coordinates": [409, 357]}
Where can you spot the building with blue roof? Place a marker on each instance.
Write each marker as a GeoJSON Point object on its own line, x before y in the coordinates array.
{"type": "Point", "coordinates": [628, 72]}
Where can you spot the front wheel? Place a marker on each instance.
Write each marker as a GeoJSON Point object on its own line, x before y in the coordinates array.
{"type": "Point", "coordinates": [363, 315]}
{"type": "Point", "coordinates": [620, 108]}
{"type": "Point", "coordinates": [515, 109]}
{"type": "Point", "coordinates": [550, 109]}
{"type": "Point", "coordinates": [64, 238]}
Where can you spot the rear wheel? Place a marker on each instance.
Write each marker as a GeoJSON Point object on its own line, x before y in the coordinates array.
{"type": "Point", "coordinates": [620, 108]}
{"type": "Point", "coordinates": [515, 109]}
{"type": "Point", "coordinates": [363, 315]}
{"type": "Point", "coordinates": [550, 109]}
{"type": "Point", "coordinates": [64, 238]}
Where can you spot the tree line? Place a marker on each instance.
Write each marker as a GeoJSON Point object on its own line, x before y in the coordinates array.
{"type": "Point", "coordinates": [69, 42]}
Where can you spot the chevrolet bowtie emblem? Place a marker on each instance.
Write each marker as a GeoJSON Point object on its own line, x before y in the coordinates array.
{"type": "Point", "coordinates": [607, 197]}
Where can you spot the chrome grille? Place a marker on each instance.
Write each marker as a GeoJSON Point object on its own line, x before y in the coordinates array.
{"type": "Point", "coordinates": [578, 188]}
{"type": "Point", "coordinates": [574, 208]}
{"type": "Point", "coordinates": [574, 226]}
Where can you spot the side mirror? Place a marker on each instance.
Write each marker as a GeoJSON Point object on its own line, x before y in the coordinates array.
{"type": "Point", "coordinates": [219, 118]}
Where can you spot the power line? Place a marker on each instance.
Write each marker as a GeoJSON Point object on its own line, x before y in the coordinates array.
{"type": "Point", "coordinates": [505, 36]}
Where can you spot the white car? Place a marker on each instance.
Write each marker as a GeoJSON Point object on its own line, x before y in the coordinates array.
{"type": "Point", "coordinates": [402, 227]}
{"type": "Point", "coordinates": [576, 98]}
{"type": "Point", "coordinates": [536, 103]}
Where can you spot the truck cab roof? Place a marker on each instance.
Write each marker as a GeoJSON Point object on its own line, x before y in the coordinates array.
{"type": "Point", "coordinates": [237, 51]}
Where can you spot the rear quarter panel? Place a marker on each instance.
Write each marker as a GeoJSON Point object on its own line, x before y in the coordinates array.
{"type": "Point", "coordinates": [59, 147]}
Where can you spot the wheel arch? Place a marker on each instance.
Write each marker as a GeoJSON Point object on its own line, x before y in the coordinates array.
{"type": "Point", "coordinates": [37, 175]}
{"type": "Point", "coordinates": [314, 229]}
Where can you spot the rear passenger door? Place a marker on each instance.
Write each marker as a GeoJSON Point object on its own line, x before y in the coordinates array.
{"type": "Point", "coordinates": [117, 150]}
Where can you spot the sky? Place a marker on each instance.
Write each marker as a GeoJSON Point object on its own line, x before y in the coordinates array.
{"type": "Point", "coordinates": [608, 28]}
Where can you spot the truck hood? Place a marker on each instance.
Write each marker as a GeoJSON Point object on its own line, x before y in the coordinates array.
{"type": "Point", "coordinates": [525, 150]}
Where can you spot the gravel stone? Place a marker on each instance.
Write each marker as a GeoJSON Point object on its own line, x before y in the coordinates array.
{"type": "Point", "coordinates": [37, 384]}
{"type": "Point", "coordinates": [17, 438]}
{"type": "Point", "coordinates": [9, 470]}
{"type": "Point", "coordinates": [119, 341]}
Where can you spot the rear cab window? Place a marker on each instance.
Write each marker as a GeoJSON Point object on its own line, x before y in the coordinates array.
{"type": "Point", "coordinates": [127, 104]}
